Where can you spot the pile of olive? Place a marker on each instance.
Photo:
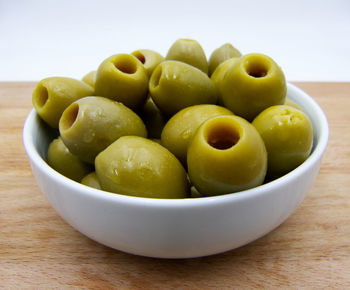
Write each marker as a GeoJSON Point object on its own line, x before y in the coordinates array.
{"type": "Point", "coordinates": [214, 127]}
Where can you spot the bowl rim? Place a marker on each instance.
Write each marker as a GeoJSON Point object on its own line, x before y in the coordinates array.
{"type": "Point", "coordinates": [78, 188]}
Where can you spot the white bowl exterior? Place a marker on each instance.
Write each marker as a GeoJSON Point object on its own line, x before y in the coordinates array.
{"type": "Point", "coordinates": [177, 228]}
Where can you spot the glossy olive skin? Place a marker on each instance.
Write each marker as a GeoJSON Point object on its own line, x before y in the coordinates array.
{"type": "Point", "coordinates": [153, 119]}
{"type": "Point", "coordinates": [226, 155]}
{"type": "Point", "coordinates": [140, 167]}
{"type": "Point", "coordinates": [122, 78]}
{"type": "Point", "coordinates": [52, 95]}
{"type": "Point", "coordinates": [188, 51]}
{"type": "Point", "coordinates": [176, 85]}
{"type": "Point", "coordinates": [253, 83]}
{"type": "Point", "coordinates": [222, 54]}
{"type": "Point", "coordinates": [218, 76]}
{"type": "Point", "coordinates": [91, 180]}
{"type": "Point", "coordinates": [180, 129]}
{"type": "Point", "coordinates": [89, 78]}
{"type": "Point", "coordinates": [64, 162]}
{"type": "Point", "coordinates": [149, 58]}
{"type": "Point", "coordinates": [288, 135]}
{"type": "Point", "coordinates": [90, 124]}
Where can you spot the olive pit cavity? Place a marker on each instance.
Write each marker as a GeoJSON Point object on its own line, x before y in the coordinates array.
{"type": "Point", "coordinates": [257, 69]}
{"type": "Point", "coordinates": [222, 137]}
{"type": "Point", "coordinates": [69, 116]}
{"type": "Point", "coordinates": [125, 65]}
{"type": "Point", "coordinates": [41, 96]}
{"type": "Point", "coordinates": [140, 57]}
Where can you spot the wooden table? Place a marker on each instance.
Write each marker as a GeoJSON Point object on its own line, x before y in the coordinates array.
{"type": "Point", "coordinates": [310, 250]}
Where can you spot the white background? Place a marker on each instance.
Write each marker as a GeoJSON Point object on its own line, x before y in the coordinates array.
{"type": "Point", "coordinates": [310, 40]}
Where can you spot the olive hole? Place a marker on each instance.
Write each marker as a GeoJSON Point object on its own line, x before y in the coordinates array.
{"type": "Point", "coordinates": [257, 69]}
{"type": "Point", "coordinates": [140, 56]}
{"type": "Point", "coordinates": [69, 116]}
{"type": "Point", "coordinates": [41, 96]}
{"type": "Point", "coordinates": [126, 65]}
{"type": "Point", "coordinates": [156, 77]}
{"type": "Point", "coordinates": [223, 137]}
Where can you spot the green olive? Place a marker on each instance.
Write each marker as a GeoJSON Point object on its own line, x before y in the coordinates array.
{"type": "Point", "coordinates": [226, 155]}
{"type": "Point", "coordinates": [89, 78]}
{"type": "Point", "coordinates": [90, 124]}
{"type": "Point", "coordinates": [91, 180]}
{"type": "Point", "coordinates": [64, 162]}
{"type": "Point", "coordinates": [289, 102]}
{"type": "Point", "coordinates": [176, 85]}
{"type": "Point", "coordinates": [219, 74]}
{"type": "Point", "coordinates": [122, 78]}
{"type": "Point", "coordinates": [180, 129]}
{"type": "Point", "coordinates": [149, 58]}
{"type": "Point", "coordinates": [52, 95]}
{"type": "Point", "coordinates": [140, 167]}
{"type": "Point", "coordinates": [287, 133]}
{"type": "Point", "coordinates": [188, 51]}
{"type": "Point", "coordinates": [253, 83]}
{"type": "Point", "coordinates": [221, 54]}
{"type": "Point", "coordinates": [153, 119]}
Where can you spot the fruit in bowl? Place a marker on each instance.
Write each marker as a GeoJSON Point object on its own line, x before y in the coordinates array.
{"type": "Point", "coordinates": [251, 84]}
{"type": "Point", "coordinates": [137, 197]}
{"type": "Point", "coordinates": [227, 154]}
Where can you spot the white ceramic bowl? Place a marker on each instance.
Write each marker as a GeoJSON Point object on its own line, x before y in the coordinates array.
{"type": "Point", "coordinates": [176, 228]}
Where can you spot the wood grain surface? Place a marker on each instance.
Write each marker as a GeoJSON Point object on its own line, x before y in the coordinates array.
{"type": "Point", "coordinates": [310, 250]}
